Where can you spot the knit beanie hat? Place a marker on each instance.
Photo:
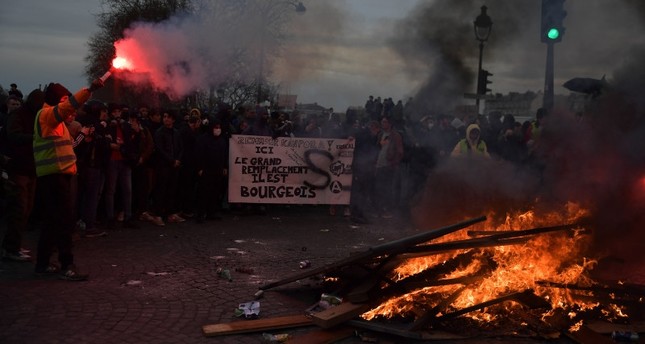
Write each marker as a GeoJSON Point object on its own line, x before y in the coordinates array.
{"type": "Point", "coordinates": [54, 92]}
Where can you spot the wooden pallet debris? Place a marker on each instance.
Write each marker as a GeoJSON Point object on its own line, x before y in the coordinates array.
{"type": "Point", "coordinates": [246, 326]}
{"type": "Point", "coordinates": [366, 279]}
{"type": "Point", "coordinates": [339, 314]}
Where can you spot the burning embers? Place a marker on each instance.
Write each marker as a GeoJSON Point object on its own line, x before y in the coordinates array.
{"type": "Point", "coordinates": [509, 260]}
{"type": "Point", "coordinates": [537, 279]}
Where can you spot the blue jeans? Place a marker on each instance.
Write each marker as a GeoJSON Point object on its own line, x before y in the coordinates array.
{"type": "Point", "coordinates": [120, 173]}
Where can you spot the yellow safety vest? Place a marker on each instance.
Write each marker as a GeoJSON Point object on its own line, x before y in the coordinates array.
{"type": "Point", "coordinates": [464, 148]}
{"type": "Point", "coordinates": [54, 154]}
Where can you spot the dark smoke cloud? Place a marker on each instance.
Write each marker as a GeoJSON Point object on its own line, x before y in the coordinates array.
{"type": "Point", "coordinates": [440, 35]}
{"type": "Point", "coordinates": [598, 162]}
{"type": "Point", "coordinates": [629, 78]}
{"type": "Point", "coordinates": [438, 40]}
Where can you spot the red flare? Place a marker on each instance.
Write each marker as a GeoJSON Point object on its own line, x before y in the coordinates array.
{"type": "Point", "coordinates": [121, 63]}
{"type": "Point", "coordinates": [117, 63]}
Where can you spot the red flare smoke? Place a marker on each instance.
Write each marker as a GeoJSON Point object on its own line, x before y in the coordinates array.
{"type": "Point", "coordinates": [118, 63]}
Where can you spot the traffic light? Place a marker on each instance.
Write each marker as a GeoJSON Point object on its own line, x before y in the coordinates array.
{"type": "Point", "coordinates": [553, 14]}
{"type": "Point", "coordinates": [482, 82]}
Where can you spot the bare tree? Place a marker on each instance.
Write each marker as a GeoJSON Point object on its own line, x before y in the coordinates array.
{"type": "Point", "coordinates": [116, 17]}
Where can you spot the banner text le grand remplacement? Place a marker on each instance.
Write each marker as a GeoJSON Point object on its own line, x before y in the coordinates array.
{"type": "Point", "coordinates": [288, 170]}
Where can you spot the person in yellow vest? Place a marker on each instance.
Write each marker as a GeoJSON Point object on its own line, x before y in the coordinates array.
{"type": "Point", "coordinates": [472, 145]}
{"type": "Point", "coordinates": [536, 128]}
{"type": "Point", "coordinates": [55, 168]}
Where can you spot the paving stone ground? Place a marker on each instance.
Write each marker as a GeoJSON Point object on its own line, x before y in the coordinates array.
{"type": "Point", "coordinates": [159, 284]}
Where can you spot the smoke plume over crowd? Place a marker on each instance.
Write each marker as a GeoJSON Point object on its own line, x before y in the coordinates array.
{"type": "Point", "coordinates": [218, 42]}
{"type": "Point", "coordinates": [192, 51]}
{"type": "Point", "coordinates": [595, 158]}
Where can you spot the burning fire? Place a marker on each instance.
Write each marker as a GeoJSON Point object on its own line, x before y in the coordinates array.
{"type": "Point", "coordinates": [538, 263]}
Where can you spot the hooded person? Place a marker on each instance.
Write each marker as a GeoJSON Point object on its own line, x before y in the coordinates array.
{"type": "Point", "coordinates": [55, 168]}
{"type": "Point", "coordinates": [472, 145]}
{"type": "Point", "coordinates": [212, 169]}
{"type": "Point", "coordinates": [196, 112]}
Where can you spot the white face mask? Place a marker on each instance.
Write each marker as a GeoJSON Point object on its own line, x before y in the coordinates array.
{"type": "Point", "coordinates": [430, 125]}
{"type": "Point", "coordinates": [217, 132]}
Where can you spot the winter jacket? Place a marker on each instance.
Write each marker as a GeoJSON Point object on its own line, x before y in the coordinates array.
{"type": "Point", "coordinates": [469, 147]}
{"type": "Point", "coordinates": [53, 151]}
{"type": "Point", "coordinates": [168, 147]}
{"type": "Point", "coordinates": [213, 153]}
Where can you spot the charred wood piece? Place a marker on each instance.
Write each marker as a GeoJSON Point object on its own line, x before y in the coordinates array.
{"type": "Point", "coordinates": [389, 248]}
{"type": "Point", "coordinates": [423, 320]}
{"type": "Point", "coordinates": [366, 290]}
{"type": "Point", "coordinates": [540, 230]}
{"type": "Point", "coordinates": [517, 296]}
{"type": "Point", "coordinates": [463, 244]}
{"type": "Point", "coordinates": [626, 291]}
{"type": "Point", "coordinates": [427, 279]}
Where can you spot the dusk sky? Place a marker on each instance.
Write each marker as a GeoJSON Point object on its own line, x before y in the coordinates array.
{"type": "Point", "coordinates": [341, 51]}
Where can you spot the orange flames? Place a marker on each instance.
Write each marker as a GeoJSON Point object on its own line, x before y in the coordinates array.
{"type": "Point", "coordinates": [556, 257]}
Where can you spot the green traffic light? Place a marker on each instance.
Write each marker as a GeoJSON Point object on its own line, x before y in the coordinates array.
{"type": "Point", "coordinates": [553, 33]}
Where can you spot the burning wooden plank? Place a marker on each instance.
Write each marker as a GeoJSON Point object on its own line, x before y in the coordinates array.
{"type": "Point", "coordinates": [422, 250]}
{"type": "Point", "coordinates": [626, 291]}
{"type": "Point", "coordinates": [368, 288]}
{"type": "Point", "coordinates": [527, 298]}
{"type": "Point", "coordinates": [540, 230]}
{"type": "Point", "coordinates": [433, 287]}
{"type": "Point", "coordinates": [493, 238]}
{"type": "Point", "coordinates": [517, 296]}
{"type": "Point", "coordinates": [389, 248]}
{"type": "Point", "coordinates": [431, 277]}
{"type": "Point", "coordinates": [432, 313]}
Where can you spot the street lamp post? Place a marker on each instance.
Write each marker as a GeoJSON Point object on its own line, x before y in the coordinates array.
{"type": "Point", "coordinates": [483, 25]}
{"type": "Point", "coordinates": [300, 9]}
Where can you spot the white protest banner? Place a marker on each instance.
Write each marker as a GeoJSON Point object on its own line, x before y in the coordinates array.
{"type": "Point", "coordinates": [289, 170]}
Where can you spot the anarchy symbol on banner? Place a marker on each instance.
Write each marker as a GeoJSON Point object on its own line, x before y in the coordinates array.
{"type": "Point", "coordinates": [336, 187]}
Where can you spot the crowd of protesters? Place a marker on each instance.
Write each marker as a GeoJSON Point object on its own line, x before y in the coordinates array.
{"type": "Point", "coordinates": [167, 166]}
